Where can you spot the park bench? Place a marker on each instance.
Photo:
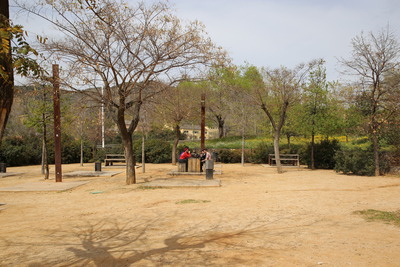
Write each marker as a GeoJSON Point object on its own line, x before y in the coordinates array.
{"type": "Point", "coordinates": [286, 159]}
{"type": "Point", "coordinates": [111, 158]}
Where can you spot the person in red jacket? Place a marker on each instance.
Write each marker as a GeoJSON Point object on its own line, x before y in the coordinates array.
{"type": "Point", "coordinates": [183, 158]}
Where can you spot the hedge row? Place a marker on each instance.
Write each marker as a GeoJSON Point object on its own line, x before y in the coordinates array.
{"type": "Point", "coordinates": [18, 151]}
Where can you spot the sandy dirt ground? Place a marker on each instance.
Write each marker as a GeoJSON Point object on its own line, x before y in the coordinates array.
{"type": "Point", "coordinates": [255, 218]}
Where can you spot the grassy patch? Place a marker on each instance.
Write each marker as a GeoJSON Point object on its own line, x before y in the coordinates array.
{"type": "Point", "coordinates": [189, 201]}
{"type": "Point", "coordinates": [144, 187]}
{"type": "Point", "coordinates": [235, 142]}
{"type": "Point", "coordinates": [377, 215]}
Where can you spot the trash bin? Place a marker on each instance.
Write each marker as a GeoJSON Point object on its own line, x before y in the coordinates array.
{"type": "Point", "coordinates": [3, 167]}
{"type": "Point", "coordinates": [97, 166]}
{"type": "Point", "coordinates": [209, 169]}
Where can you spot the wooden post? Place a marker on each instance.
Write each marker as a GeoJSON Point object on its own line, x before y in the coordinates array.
{"type": "Point", "coordinates": [57, 122]}
{"type": "Point", "coordinates": [203, 120]}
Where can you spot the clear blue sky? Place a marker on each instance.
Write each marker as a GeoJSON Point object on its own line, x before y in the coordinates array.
{"type": "Point", "coordinates": [271, 33]}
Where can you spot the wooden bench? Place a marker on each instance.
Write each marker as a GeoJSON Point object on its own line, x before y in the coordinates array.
{"type": "Point", "coordinates": [286, 159]}
{"type": "Point", "coordinates": [111, 158]}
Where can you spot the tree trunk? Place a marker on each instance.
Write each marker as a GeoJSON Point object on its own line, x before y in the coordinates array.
{"type": "Point", "coordinates": [288, 135]}
{"type": "Point", "coordinates": [277, 153]}
{"type": "Point", "coordinates": [176, 142]}
{"type": "Point", "coordinates": [130, 159]}
{"type": "Point", "coordinates": [130, 156]}
{"type": "Point", "coordinates": [6, 85]}
{"type": "Point", "coordinates": [312, 151]}
{"type": "Point", "coordinates": [243, 149]}
{"type": "Point", "coordinates": [374, 128]}
{"type": "Point", "coordinates": [45, 163]}
{"type": "Point", "coordinates": [81, 151]}
{"type": "Point", "coordinates": [221, 125]}
{"type": "Point", "coordinates": [143, 154]}
{"type": "Point", "coordinates": [375, 143]}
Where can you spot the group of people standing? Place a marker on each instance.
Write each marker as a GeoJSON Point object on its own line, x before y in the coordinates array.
{"type": "Point", "coordinates": [183, 158]}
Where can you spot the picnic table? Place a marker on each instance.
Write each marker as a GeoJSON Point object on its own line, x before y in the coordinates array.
{"type": "Point", "coordinates": [111, 158]}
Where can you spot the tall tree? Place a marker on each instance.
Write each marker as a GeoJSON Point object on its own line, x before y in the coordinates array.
{"type": "Point", "coordinates": [176, 106]}
{"type": "Point", "coordinates": [242, 111]}
{"type": "Point", "coordinates": [275, 91]}
{"type": "Point", "coordinates": [315, 104]}
{"type": "Point", "coordinates": [137, 52]}
{"type": "Point", "coordinates": [7, 76]}
{"type": "Point", "coordinates": [39, 116]}
{"type": "Point", "coordinates": [374, 57]}
{"type": "Point", "coordinates": [14, 55]}
{"type": "Point", "coordinates": [218, 91]}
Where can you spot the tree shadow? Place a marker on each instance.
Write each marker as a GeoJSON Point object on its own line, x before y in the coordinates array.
{"type": "Point", "coordinates": [110, 244]}
{"type": "Point", "coordinates": [113, 242]}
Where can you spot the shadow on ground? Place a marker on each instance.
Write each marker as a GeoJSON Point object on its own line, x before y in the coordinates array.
{"type": "Point", "coordinates": [112, 243]}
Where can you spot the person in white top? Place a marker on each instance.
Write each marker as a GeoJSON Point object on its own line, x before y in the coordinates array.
{"type": "Point", "coordinates": [205, 155]}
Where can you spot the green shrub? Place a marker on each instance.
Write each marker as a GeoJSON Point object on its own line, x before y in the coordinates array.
{"type": "Point", "coordinates": [21, 151]}
{"type": "Point", "coordinates": [324, 154]}
{"type": "Point", "coordinates": [260, 153]}
{"type": "Point", "coordinates": [164, 134]}
{"type": "Point", "coordinates": [70, 150]}
{"type": "Point", "coordinates": [292, 149]}
{"type": "Point", "coordinates": [360, 162]}
{"type": "Point", "coordinates": [230, 155]}
{"type": "Point", "coordinates": [27, 150]}
{"type": "Point", "coordinates": [361, 140]}
{"type": "Point", "coordinates": [156, 151]}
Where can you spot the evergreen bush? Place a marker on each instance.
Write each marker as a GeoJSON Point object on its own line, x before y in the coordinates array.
{"type": "Point", "coordinates": [324, 154]}
{"type": "Point", "coordinates": [156, 151]}
{"type": "Point", "coordinates": [21, 151]}
{"type": "Point", "coordinates": [230, 155]}
{"type": "Point", "coordinates": [260, 153]}
{"type": "Point", "coordinates": [359, 162]}
{"type": "Point", "coordinates": [70, 150]}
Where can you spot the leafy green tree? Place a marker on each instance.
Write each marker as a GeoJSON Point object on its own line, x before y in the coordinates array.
{"type": "Point", "coordinates": [15, 54]}
{"type": "Point", "coordinates": [219, 98]}
{"type": "Point", "coordinates": [40, 114]}
{"type": "Point", "coordinates": [242, 112]}
{"type": "Point", "coordinates": [315, 105]}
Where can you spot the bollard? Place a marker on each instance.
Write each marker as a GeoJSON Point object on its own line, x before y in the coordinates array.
{"type": "Point", "coordinates": [209, 169]}
{"type": "Point", "coordinates": [97, 166]}
{"type": "Point", "coordinates": [3, 167]}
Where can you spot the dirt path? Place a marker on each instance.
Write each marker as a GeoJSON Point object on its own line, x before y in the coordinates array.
{"type": "Point", "coordinates": [256, 218]}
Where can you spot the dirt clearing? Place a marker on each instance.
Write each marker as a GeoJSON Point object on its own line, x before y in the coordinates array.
{"type": "Point", "coordinates": [255, 218]}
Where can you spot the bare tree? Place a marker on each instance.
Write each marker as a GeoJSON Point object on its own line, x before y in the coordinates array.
{"type": "Point", "coordinates": [374, 57]}
{"type": "Point", "coordinates": [275, 91]}
{"type": "Point", "coordinates": [131, 49]}
{"type": "Point", "coordinates": [218, 96]}
{"type": "Point", "coordinates": [176, 106]}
